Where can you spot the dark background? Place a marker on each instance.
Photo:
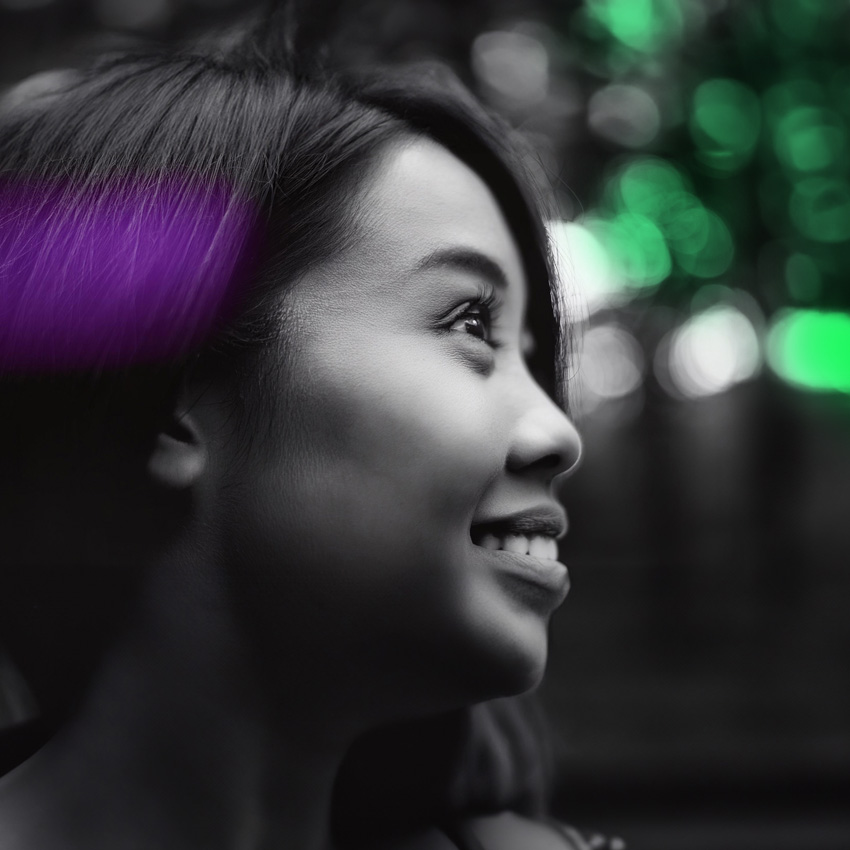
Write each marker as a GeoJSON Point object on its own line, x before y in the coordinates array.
{"type": "Point", "coordinates": [699, 679]}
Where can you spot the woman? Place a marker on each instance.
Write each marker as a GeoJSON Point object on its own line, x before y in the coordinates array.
{"type": "Point", "coordinates": [281, 377]}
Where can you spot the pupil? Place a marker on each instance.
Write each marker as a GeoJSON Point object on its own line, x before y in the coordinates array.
{"type": "Point", "coordinates": [475, 327]}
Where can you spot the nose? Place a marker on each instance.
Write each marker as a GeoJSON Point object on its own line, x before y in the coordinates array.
{"type": "Point", "coordinates": [544, 439]}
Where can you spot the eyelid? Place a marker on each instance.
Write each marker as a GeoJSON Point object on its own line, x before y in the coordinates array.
{"type": "Point", "coordinates": [485, 307]}
{"type": "Point", "coordinates": [486, 294]}
{"type": "Point", "coordinates": [476, 305]}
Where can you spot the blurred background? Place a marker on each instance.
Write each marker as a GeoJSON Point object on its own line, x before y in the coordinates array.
{"type": "Point", "coordinates": [699, 681]}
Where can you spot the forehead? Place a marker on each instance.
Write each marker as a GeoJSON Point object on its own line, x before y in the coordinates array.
{"type": "Point", "coordinates": [422, 199]}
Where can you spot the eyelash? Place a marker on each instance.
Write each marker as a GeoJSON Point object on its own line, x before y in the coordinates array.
{"type": "Point", "coordinates": [484, 308]}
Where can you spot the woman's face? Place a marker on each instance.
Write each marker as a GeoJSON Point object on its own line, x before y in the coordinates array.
{"type": "Point", "coordinates": [410, 451]}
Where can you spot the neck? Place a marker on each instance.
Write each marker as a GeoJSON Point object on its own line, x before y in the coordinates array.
{"type": "Point", "coordinates": [177, 746]}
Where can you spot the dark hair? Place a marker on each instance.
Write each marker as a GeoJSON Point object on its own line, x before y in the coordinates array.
{"type": "Point", "coordinates": [294, 139]}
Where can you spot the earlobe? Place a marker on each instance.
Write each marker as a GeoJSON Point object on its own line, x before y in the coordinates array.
{"type": "Point", "coordinates": [179, 455]}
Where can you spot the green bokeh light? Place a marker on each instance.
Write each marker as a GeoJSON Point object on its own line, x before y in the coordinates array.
{"type": "Point", "coordinates": [709, 250]}
{"type": "Point", "coordinates": [811, 349]}
{"type": "Point", "coordinates": [803, 20]}
{"type": "Point", "coordinates": [653, 191]}
{"type": "Point", "coordinates": [637, 249]}
{"type": "Point", "coordinates": [820, 208]}
{"type": "Point", "coordinates": [790, 94]}
{"type": "Point", "coordinates": [803, 277]}
{"type": "Point", "coordinates": [725, 123]}
{"type": "Point", "coordinates": [753, 145]}
{"type": "Point", "coordinates": [683, 221]}
{"type": "Point", "coordinates": [646, 186]}
{"type": "Point", "coordinates": [643, 25]}
{"type": "Point", "coordinates": [810, 139]}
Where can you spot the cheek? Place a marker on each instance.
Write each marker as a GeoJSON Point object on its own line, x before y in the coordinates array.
{"type": "Point", "coordinates": [407, 426]}
{"type": "Point", "coordinates": [354, 528]}
{"type": "Point", "coordinates": [368, 490]}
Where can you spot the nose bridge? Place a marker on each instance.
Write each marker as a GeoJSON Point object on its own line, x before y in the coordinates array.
{"type": "Point", "coordinates": [544, 437]}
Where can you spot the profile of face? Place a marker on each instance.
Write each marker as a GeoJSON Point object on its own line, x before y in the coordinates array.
{"type": "Point", "coordinates": [394, 525]}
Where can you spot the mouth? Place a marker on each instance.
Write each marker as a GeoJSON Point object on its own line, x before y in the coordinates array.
{"type": "Point", "coordinates": [524, 555]}
{"type": "Point", "coordinates": [542, 546]}
{"type": "Point", "coordinates": [533, 532]}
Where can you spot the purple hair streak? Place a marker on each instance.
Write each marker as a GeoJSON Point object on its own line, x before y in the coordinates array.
{"type": "Point", "coordinates": [118, 273]}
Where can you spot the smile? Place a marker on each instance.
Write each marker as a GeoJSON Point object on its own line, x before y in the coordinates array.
{"type": "Point", "coordinates": [533, 531]}
{"type": "Point", "coordinates": [537, 545]}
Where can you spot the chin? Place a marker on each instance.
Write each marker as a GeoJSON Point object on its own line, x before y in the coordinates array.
{"type": "Point", "coordinates": [522, 673]}
{"type": "Point", "coordinates": [510, 662]}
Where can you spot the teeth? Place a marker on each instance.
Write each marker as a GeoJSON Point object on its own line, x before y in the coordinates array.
{"type": "Point", "coordinates": [536, 545]}
{"type": "Point", "coordinates": [543, 547]}
{"type": "Point", "coordinates": [490, 541]}
{"type": "Point", "coordinates": [515, 543]}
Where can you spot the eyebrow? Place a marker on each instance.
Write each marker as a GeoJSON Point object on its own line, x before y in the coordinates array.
{"type": "Point", "coordinates": [465, 260]}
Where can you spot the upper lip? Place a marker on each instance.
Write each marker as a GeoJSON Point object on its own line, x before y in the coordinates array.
{"type": "Point", "coordinates": [547, 520]}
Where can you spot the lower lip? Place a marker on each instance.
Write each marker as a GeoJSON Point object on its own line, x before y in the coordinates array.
{"type": "Point", "coordinates": [547, 577]}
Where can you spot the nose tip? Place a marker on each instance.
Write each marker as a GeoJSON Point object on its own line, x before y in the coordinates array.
{"type": "Point", "coordinates": [545, 440]}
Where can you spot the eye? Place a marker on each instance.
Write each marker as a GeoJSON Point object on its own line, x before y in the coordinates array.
{"type": "Point", "coordinates": [474, 319]}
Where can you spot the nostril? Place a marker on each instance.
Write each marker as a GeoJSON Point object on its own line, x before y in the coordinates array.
{"type": "Point", "coordinates": [550, 461]}
{"type": "Point", "coordinates": [545, 441]}
{"type": "Point", "coordinates": [554, 463]}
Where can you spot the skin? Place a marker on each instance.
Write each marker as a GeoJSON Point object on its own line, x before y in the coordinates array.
{"type": "Point", "coordinates": [327, 582]}
{"type": "Point", "coordinates": [406, 430]}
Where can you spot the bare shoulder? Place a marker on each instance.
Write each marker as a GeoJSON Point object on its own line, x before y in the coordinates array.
{"type": "Point", "coordinates": [510, 831]}
{"type": "Point", "coordinates": [507, 831]}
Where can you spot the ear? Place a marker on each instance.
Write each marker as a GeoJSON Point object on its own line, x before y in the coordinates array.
{"type": "Point", "coordinates": [179, 455]}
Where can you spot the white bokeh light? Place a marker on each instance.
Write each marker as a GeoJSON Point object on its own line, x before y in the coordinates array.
{"type": "Point", "coordinates": [611, 366]}
{"type": "Point", "coordinates": [586, 269]}
{"type": "Point", "coordinates": [710, 353]}
{"type": "Point", "coordinates": [625, 114]}
{"type": "Point", "coordinates": [513, 65]}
